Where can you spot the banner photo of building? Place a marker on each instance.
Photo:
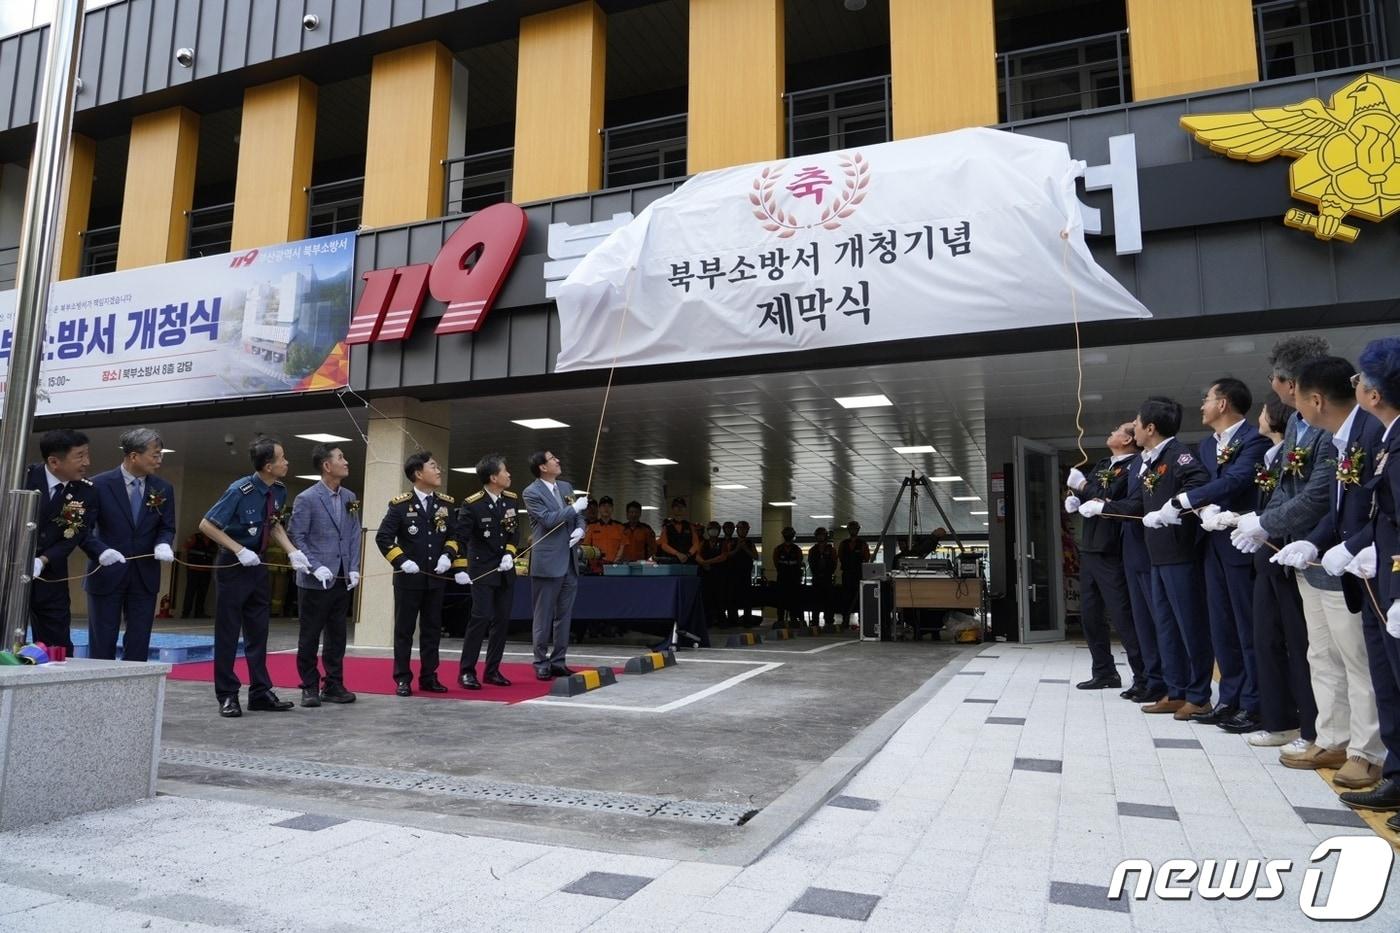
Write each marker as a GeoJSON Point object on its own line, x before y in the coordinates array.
{"type": "Point", "coordinates": [267, 321]}
{"type": "Point", "coordinates": [976, 230]}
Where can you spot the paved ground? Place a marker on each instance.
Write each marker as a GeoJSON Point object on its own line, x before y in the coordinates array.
{"type": "Point", "coordinates": [1001, 804]}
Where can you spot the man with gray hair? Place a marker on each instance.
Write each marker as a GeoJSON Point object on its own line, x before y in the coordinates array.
{"type": "Point", "coordinates": [135, 518]}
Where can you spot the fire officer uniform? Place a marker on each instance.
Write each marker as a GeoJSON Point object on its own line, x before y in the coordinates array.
{"type": "Point", "coordinates": [50, 615]}
{"type": "Point", "coordinates": [417, 527]}
{"type": "Point", "coordinates": [489, 530]}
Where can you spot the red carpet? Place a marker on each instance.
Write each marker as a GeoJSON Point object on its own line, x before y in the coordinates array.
{"type": "Point", "coordinates": [375, 675]}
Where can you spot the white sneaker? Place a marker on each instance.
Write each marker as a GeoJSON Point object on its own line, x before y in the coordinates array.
{"type": "Point", "coordinates": [1295, 748]}
{"type": "Point", "coordinates": [1266, 739]}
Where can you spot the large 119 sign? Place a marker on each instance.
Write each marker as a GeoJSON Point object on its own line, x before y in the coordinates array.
{"type": "Point", "coordinates": [466, 276]}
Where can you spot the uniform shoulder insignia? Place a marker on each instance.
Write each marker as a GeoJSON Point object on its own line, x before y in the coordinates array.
{"type": "Point", "coordinates": [278, 482]}
{"type": "Point", "coordinates": [474, 497]}
{"type": "Point", "coordinates": [400, 499]}
{"type": "Point", "coordinates": [445, 498]}
{"type": "Point", "coordinates": [85, 482]}
{"type": "Point", "coordinates": [510, 495]}
{"type": "Point", "coordinates": [246, 488]}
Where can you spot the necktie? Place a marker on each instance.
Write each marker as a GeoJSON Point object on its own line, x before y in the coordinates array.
{"type": "Point", "coordinates": [269, 510]}
{"type": "Point", "coordinates": [57, 493]}
{"type": "Point", "coordinates": [135, 501]}
{"type": "Point", "coordinates": [558, 495]}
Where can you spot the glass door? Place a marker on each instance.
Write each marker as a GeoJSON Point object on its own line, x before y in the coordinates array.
{"type": "Point", "coordinates": [1039, 561]}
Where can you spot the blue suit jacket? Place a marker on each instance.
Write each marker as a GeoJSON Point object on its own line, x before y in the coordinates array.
{"type": "Point", "coordinates": [327, 531]}
{"type": "Point", "coordinates": [550, 554]}
{"type": "Point", "coordinates": [1349, 518]}
{"type": "Point", "coordinates": [1231, 486]}
{"type": "Point", "coordinates": [49, 539]}
{"type": "Point", "coordinates": [115, 529]}
{"type": "Point", "coordinates": [1135, 558]}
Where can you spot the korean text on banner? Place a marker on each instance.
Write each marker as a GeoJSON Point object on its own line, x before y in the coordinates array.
{"type": "Point", "coordinates": [267, 321]}
{"type": "Point", "coordinates": [948, 234]}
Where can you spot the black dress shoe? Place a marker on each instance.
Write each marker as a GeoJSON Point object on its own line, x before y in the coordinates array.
{"type": "Point", "coordinates": [495, 679]}
{"type": "Point", "coordinates": [1137, 693]}
{"type": "Point", "coordinates": [1384, 796]}
{"type": "Point", "coordinates": [1100, 683]}
{"type": "Point", "coordinates": [268, 703]}
{"type": "Point", "coordinates": [559, 670]}
{"type": "Point", "coordinates": [544, 675]}
{"type": "Point", "coordinates": [1393, 824]}
{"type": "Point", "coordinates": [432, 686]}
{"type": "Point", "coordinates": [310, 698]}
{"type": "Point", "coordinates": [337, 694]}
{"type": "Point", "coordinates": [1242, 723]}
{"type": "Point", "coordinates": [1215, 716]}
{"type": "Point", "coordinates": [229, 708]}
{"type": "Point", "coordinates": [403, 689]}
{"type": "Point", "coordinates": [469, 681]}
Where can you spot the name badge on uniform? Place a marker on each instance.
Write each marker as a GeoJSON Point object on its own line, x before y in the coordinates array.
{"type": "Point", "coordinates": [252, 529]}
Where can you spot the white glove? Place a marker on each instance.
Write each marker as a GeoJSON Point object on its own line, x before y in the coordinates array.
{"type": "Point", "coordinates": [354, 580]}
{"type": "Point", "coordinates": [1153, 519]}
{"type": "Point", "coordinates": [408, 566]}
{"type": "Point", "coordinates": [249, 557]}
{"type": "Point", "coordinates": [1226, 520]}
{"type": "Point", "coordinates": [38, 567]}
{"type": "Point", "coordinates": [1335, 561]}
{"type": "Point", "coordinates": [164, 554]}
{"type": "Point", "coordinates": [576, 537]}
{"type": "Point", "coordinates": [1392, 620]}
{"type": "Point", "coordinates": [1169, 514]}
{"type": "Point", "coordinates": [299, 561]}
{"type": "Point", "coordinates": [461, 578]}
{"type": "Point", "coordinates": [507, 563]}
{"type": "Point", "coordinates": [1249, 527]}
{"type": "Point", "coordinates": [1072, 504]}
{"type": "Point", "coordinates": [325, 576]}
{"type": "Point", "coordinates": [1296, 555]}
{"type": "Point", "coordinates": [581, 504]}
{"type": "Point", "coordinates": [1363, 565]}
{"type": "Point", "coordinates": [111, 556]}
{"type": "Point", "coordinates": [444, 564]}
{"type": "Point", "coordinates": [1091, 508]}
{"type": "Point", "coordinates": [1077, 480]}
{"type": "Point", "coordinates": [1210, 517]}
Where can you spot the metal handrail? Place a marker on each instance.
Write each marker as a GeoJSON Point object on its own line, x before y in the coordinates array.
{"type": "Point", "coordinates": [205, 235]}
{"type": "Point", "coordinates": [878, 107]}
{"type": "Point", "coordinates": [9, 264]}
{"type": "Point", "coordinates": [99, 250]}
{"type": "Point", "coordinates": [464, 203]}
{"type": "Point", "coordinates": [320, 201]}
{"type": "Point", "coordinates": [1014, 106]}
{"type": "Point", "coordinates": [1371, 46]}
{"type": "Point", "coordinates": [656, 156]}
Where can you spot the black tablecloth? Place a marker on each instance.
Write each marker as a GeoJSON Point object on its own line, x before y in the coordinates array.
{"type": "Point", "coordinates": [627, 600]}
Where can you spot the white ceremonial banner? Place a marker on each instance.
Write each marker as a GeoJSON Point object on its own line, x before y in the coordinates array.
{"type": "Point", "coordinates": [260, 322]}
{"type": "Point", "coordinates": [949, 234]}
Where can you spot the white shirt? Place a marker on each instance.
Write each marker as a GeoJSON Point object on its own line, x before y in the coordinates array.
{"type": "Point", "coordinates": [1149, 457]}
{"type": "Point", "coordinates": [423, 500]}
{"type": "Point", "coordinates": [1339, 438]}
{"type": "Point", "coordinates": [1386, 435]}
{"type": "Point", "coordinates": [1119, 458]}
{"type": "Point", "coordinates": [1272, 454]}
{"type": "Point", "coordinates": [52, 482]}
{"type": "Point", "coordinates": [1222, 439]}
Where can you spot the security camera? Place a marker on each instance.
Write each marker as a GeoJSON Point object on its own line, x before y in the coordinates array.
{"type": "Point", "coordinates": [310, 21]}
{"type": "Point", "coordinates": [184, 57]}
{"type": "Point", "coordinates": [229, 442]}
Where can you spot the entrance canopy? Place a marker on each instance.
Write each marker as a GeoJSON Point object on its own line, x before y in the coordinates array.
{"type": "Point", "coordinates": [964, 232]}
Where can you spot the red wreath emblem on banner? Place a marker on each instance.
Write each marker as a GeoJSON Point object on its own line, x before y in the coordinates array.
{"type": "Point", "coordinates": [775, 218]}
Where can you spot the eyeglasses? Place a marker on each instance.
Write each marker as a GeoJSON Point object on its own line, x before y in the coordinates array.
{"type": "Point", "coordinates": [1355, 380]}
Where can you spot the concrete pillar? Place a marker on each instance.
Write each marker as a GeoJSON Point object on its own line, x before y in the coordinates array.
{"type": "Point", "coordinates": [399, 427]}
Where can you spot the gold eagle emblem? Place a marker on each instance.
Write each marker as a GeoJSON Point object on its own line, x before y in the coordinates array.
{"type": "Point", "coordinates": [1344, 152]}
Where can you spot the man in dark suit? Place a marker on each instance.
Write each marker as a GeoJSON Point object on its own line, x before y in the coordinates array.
{"type": "Point", "coordinates": [1338, 660]}
{"type": "Point", "coordinates": [66, 513]}
{"type": "Point", "coordinates": [1168, 468]}
{"type": "Point", "coordinates": [136, 517]}
{"type": "Point", "coordinates": [325, 525]}
{"type": "Point", "coordinates": [417, 538]}
{"type": "Point", "coordinates": [556, 528]}
{"type": "Point", "coordinates": [1231, 455]}
{"type": "Point", "coordinates": [1137, 570]}
{"type": "Point", "coordinates": [1102, 582]}
{"type": "Point", "coordinates": [488, 528]}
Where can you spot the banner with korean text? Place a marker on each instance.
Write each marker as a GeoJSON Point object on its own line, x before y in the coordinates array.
{"type": "Point", "coordinates": [976, 230]}
{"type": "Point", "coordinates": [262, 322]}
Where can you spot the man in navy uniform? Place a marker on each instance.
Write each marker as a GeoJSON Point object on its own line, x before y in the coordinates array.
{"type": "Point", "coordinates": [1231, 455]}
{"type": "Point", "coordinates": [1339, 659]}
{"type": "Point", "coordinates": [243, 523]}
{"type": "Point", "coordinates": [1137, 569]}
{"type": "Point", "coordinates": [488, 527]}
{"type": "Point", "coordinates": [136, 517]}
{"type": "Point", "coordinates": [417, 538]}
{"type": "Point", "coordinates": [67, 511]}
{"type": "Point", "coordinates": [325, 525]}
{"type": "Point", "coordinates": [1102, 583]}
{"type": "Point", "coordinates": [1169, 467]}
{"type": "Point", "coordinates": [556, 528]}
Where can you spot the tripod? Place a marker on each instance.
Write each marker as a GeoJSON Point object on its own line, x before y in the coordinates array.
{"type": "Point", "coordinates": [913, 482]}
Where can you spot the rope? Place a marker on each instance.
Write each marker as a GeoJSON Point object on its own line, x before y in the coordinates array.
{"type": "Point", "coordinates": [1078, 352]}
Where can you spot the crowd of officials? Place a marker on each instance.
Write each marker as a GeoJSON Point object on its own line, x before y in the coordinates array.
{"type": "Point", "coordinates": [1269, 552]}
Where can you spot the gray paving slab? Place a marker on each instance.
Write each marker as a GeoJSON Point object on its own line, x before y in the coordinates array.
{"type": "Point", "coordinates": [844, 905]}
{"type": "Point", "coordinates": [608, 884]}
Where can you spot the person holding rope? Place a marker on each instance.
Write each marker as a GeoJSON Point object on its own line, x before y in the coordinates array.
{"type": "Point", "coordinates": [135, 518]}
{"type": "Point", "coordinates": [417, 538]}
{"type": "Point", "coordinates": [1183, 635]}
{"type": "Point", "coordinates": [489, 529]}
{"type": "Point", "coordinates": [557, 527]}
{"type": "Point", "coordinates": [325, 524]}
{"type": "Point", "coordinates": [1338, 641]}
{"type": "Point", "coordinates": [1378, 566]}
{"type": "Point", "coordinates": [243, 523]}
{"type": "Point", "coordinates": [67, 510]}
